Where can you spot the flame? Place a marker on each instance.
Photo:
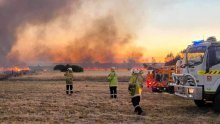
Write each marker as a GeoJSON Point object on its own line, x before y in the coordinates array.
{"type": "Point", "coordinates": [15, 69]}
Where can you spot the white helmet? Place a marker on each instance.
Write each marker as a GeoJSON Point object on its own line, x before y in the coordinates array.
{"type": "Point", "coordinates": [135, 70]}
{"type": "Point", "coordinates": [113, 68]}
{"type": "Point", "coordinates": [69, 69]}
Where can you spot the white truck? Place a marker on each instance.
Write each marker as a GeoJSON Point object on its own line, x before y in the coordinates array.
{"type": "Point", "coordinates": [199, 79]}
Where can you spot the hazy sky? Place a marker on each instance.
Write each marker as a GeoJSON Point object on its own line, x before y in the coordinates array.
{"type": "Point", "coordinates": [152, 27]}
{"type": "Point", "coordinates": [171, 26]}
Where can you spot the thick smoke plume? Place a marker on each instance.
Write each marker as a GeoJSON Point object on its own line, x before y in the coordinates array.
{"type": "Point", "coordinates": [101, 43]}
{"type": "Point", "coordinates": [17, 13]}
{"type": "Point", "coordinates": [68, 31]}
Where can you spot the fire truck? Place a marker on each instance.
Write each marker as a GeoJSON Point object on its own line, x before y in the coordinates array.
{"type": "Point", "coordinates": [158, 79]}
{"type": "Point", "coordinates": [199, 79]}
{"type": "Point", "coordinates": [149, 78]}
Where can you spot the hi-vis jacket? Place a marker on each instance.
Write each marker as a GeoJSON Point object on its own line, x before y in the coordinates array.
{"type": "Point", "coordinates": [69, 78]}
{"type": "Point", "coordinates": [113, 79]}
{"type": "Point", "coordinates": [135, 85]}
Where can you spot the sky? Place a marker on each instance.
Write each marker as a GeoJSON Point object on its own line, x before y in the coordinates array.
{"type": "Point", "coordinates": [175, 25]}
{"type": "Point", "coordinates": [141, 29]}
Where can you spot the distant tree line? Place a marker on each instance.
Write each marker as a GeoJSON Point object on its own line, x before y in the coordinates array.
{"type": "Point", "coordinates": [170, 59]}
{"type": "Point", "coordinates": [173, 61]}
{"type": "Point", "coordinates": [63, 68]}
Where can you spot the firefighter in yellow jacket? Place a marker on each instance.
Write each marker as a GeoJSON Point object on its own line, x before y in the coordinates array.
{"type": "Point", "coordinates": [113, 83]}
{"type": "Point", "coordinates": [69, 81]}
{"type": "Point", "coordinates": [135, 89]}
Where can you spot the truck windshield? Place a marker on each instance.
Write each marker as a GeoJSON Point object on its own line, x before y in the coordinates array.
{"type": "Point", "coordinates": [195, 55]}
{"type": "Point", "coordinates": [165, 77]}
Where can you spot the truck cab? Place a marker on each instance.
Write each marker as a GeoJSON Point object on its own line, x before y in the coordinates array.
{"type": "Point", "coordinates": [159, 79]}
{"type": "Point", "coordinates": [199, 79]}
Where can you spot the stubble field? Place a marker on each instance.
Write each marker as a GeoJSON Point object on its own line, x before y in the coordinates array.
{"type": "Point", "coordinates": [41, 100]}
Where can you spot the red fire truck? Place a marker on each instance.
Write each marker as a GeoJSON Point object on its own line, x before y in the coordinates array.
{"type": "Point", "coordinates": [158, 79]}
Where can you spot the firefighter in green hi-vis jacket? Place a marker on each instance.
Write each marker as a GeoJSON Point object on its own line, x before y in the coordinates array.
{"type": "Point", "coordinates": [135, 89]}
{"type": "Point", "coordinates": [113, 83]}
{"type": "Point", "coordinates": [69, 81]}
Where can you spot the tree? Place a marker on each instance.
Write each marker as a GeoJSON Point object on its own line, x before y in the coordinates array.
{"type": "Point", "coordinates": [64, 68]}
{"type": "Point", "coordinates": [169, 57]}
{"type": "Point", "coordinates": [77, 68]}
{"type": "Point", "coordinates": [171, 60]}
{"type": "Point", "coordinates": [59, 67]}
{"type": "Point", "coordinates": [145, 65]}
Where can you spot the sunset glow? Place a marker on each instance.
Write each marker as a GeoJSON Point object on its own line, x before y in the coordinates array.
{"type": "Point", "coordinates": [103, 31]}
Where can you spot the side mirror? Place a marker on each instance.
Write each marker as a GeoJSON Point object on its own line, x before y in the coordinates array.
{"type": "Point", "coordinates": [207, 67]}
{"type": "Point", "coordinates": [190, 64]}
{"type": "Point", "coordinates": [183, 66]}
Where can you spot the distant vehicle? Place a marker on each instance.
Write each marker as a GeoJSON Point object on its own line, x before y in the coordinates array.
{"type": "Point", "coordinates": [158, 79]}
{"type": "Point", "coordinates": [199, 79]}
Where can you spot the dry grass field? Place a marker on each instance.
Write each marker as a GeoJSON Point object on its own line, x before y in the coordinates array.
{"type": "Point", "coordinates": [58, 76]}
{"type": "Point", "coordinates": [46, 102]}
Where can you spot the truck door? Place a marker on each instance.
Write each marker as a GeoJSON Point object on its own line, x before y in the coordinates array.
{"type": "Point", "coordinates": [212, 76]}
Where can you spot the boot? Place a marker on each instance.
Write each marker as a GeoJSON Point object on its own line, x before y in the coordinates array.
{"type": "Point", "coordinates": [139, 110]}
{"type": "Point", "coordinates": [135, 110]}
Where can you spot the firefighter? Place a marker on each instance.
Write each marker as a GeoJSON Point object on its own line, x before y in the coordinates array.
{"type": "Point", "coordinates": [69, 81]}
{"type": "Point", "coordinates": [113, 83]}
{"type": "Point", "coordinates": [135, 89]}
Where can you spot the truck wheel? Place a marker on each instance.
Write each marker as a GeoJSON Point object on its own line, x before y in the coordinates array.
{"type": "Point", "coordinates": [171, 89]}
{"type": "Point", "coordinates": [153, 90]}
{"type": "Point", "coordinates": [217, 103]}
{"type": "Point", "coordinates": [199, 103]}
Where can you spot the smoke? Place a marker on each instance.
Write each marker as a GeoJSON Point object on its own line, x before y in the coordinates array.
{"type": "Point", "coordinates": [18, 13]}
{"type": "Point", "coordinates": [101, 43]}
{"type": "Point", "coordinates": [35, 31]}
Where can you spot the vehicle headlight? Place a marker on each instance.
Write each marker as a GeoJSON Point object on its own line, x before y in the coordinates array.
{"type": "Point", "coordinates": [190, 95]}
{"type": "Point", "coordinates": [190, 90]}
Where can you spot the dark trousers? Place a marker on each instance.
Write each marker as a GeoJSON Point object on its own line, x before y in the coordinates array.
{"type": "Point", "coordinates": [69, 89]}
{"type": "Point", "coordinates": [135, 101]}
{"type": "Point", "coordinates": [113, 92]}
